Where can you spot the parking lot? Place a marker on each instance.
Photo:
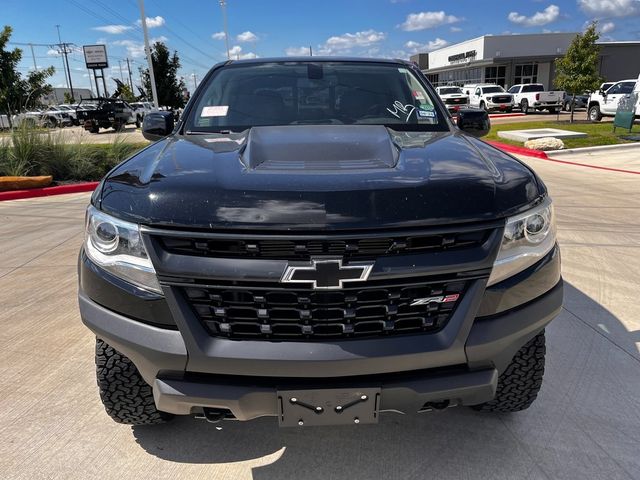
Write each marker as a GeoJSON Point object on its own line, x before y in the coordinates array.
{"type": "Point", "coordinates": [584, 425]}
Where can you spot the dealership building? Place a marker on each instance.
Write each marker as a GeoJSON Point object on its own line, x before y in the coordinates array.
{"type": "Point", "coordinates": [510, 59]}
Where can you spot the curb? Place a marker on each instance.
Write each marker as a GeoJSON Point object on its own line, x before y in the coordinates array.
{"type": "Point", "coordinates": [622, 146]}
{"type": "Point", "coordinates": [518, 150]}
{"type": "Point", "coordinates": [506, 115]}
{"type": "Point", "coordinates": [47, 191]}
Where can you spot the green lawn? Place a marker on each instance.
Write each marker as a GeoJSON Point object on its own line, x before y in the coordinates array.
{"type": "Point", "coordinates": [599, 133]}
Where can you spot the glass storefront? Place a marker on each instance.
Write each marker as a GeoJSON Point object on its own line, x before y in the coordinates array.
{"type": "Point", "coordinates": [495, 75]}
{"type": "Point", "coordinates": [526, 73]}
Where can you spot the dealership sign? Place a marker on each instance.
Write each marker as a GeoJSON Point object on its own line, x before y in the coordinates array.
{"type": "Point", "coordinates": [462, 57]}
{"type": "Point", "coordinates": [95, 56]}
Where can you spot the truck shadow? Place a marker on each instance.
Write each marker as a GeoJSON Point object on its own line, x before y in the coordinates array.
{"type": "Point", "coordinates": [578, 428]}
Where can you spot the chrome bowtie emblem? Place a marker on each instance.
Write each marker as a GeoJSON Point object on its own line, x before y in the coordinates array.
{"type": "Point", "coordinates": [326, 274]}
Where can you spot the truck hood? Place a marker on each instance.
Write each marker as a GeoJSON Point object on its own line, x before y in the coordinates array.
{"type": "Point", "coordinates": [317, 178]}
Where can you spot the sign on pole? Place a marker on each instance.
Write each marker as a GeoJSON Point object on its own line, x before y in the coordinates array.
{"type": "Point", "coordinates": [95, 56]}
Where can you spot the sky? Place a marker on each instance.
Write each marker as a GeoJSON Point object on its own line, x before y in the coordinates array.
{"type": "Point", "coordinates": [269, 28]}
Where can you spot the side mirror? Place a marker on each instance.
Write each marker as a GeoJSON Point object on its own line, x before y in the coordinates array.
{"type": "Point", "coordinates": [474, 122]}
{"type": "Point", "coordinates": [157, 125]}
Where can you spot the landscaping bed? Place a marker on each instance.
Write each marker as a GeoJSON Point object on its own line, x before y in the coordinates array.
{"type": "Point", "coordinates": [29, 153]}
{"type": "Point", "coordinates": [598, 133]}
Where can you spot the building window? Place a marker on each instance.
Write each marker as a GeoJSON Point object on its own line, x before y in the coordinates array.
{"type": "Point", "coordinates": [526, 73]}
{"type": "Point", "coordinates": [456, 77]}
{"type": "Point", "coordinates": [495, 75]}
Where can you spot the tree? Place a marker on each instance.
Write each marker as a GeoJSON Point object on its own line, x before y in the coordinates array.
{"type": "Point", "coordinates": [17, 93]}
{"type": "Point", "coordinates": [165, 68]}
{"type": "Point", "coordinates": [577, 71]}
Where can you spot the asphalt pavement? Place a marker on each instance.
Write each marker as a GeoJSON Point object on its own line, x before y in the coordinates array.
{"type": "Point", "coordinates": [584, 425]}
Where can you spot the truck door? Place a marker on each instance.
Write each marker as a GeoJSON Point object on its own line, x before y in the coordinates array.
{"type": "Point", "coordinates": [613, 96]}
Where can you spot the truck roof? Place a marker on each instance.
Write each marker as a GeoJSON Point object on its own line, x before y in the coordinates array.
{"type": "Point", "coordinates": [322, 59]}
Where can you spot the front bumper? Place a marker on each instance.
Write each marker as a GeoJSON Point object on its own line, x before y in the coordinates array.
{"type": "Point", "coordinates": [460, 364]}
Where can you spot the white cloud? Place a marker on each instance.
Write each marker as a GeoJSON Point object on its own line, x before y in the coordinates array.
{"type": "Point", "coordinates": [236, 53]}
{"type": "Point", "coordinates": [609, 8]}
{"type": "Point", "coordinates": [347, 41]}
{"type": "Point", "coordinates": [455, 29]}
{"type": "Point", "coordinates": [247, 37]}
{"type": "Point", "coordinates": [218, 36]}
{"type": "Point", "coordinates": [607, 27]}
{"type": "Point", "coordinates": [136, 49]}
{"type": "Point", "coordinates": [417, 47]}
{"type": "Point", "coordinates": [153, 22]}
{"type": "Point", "coordinates": [547, 16]}
{"type": "Point", "coordinates": [296, 51]}
{"type": "Point", "coordinates": [113, 29]}
{"type": "Point", "coordinates": [53, 52]}
{"type": "Point", "coordinates": [424, 20]}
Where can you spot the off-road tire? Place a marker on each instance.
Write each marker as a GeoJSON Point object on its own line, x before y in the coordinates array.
{"type": "Point", "coordinates": [520, 383]}
{"type": "Point", "coordinates": [524, 106]}
{"type": "Point", "coordinates": [126, 397]}
{"type": "Point", "coordinates": [483, 106]}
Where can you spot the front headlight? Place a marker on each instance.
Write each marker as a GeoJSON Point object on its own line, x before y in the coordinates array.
{"type": "Point", "coordinates": [116, 246]}
{"type": "Point", "coordinates": [527, 238]}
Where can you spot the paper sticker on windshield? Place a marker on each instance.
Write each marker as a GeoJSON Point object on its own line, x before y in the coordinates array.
{"type": "Point", "coordinates": [426, 113]}
{"type": "Point", "coordinates": [426, 106]}
{"type": "Point", "coordinates": [215, 111]}
{"type": "Point", "coordinates": [418, 95]}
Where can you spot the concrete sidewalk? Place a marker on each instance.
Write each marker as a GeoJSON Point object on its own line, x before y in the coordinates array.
{"type": "Point", "coordinates": [584, 425]}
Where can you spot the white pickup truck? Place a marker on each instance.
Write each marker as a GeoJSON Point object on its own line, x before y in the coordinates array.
{"type": "Point", "coordinates": [489, 97]}
{"type": "Point", "coordinates": [533, 96]}
{"type": "Point", "coordinates": [604, 103]}
{"type": "Point", "coordinates": [453, 97]}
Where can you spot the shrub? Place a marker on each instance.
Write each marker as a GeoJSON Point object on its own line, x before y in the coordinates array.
{"type": "Point", "coordinates": [27, 151]}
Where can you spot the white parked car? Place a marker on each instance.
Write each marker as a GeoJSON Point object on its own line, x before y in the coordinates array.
{"type": "Point", "coordinates": [71, 111]}
{"type": "Point", "coordinates": [489, 97]}
{"type": "Point", "coordinates": [604, 103]}
{"type": "Point", "coordinates": [42, 118]}
{"type": "Point", "coordinates": [57, 117]}
{"type": "Point", "coordinates": [453, 97]}
{"type": "Point", "coordinates": [140, 109]}
{"type": "Point", "coordinates": [534, 96]}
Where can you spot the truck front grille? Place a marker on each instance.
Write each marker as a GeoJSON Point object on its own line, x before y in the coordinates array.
{"type": "Point", "coordinates": [303, 249]}
{"type": "Point", "coordinates": [456, 101]}
{"type": "Point", "coordinates": [501, 99]}
{"type": "Point", "coordinates": [278, 313]}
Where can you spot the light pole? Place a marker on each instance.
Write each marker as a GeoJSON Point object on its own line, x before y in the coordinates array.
{"type": "Point", "coordinates": [148, 51]}
{"type": "Point", "coordinates": [223, 5]}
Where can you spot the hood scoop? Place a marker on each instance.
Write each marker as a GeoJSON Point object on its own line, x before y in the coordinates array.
{"type": "Point", "coordinates": [300, 148]}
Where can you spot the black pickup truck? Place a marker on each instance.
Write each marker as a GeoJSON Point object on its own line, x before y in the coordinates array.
{"type": "Point", "coordinates": [108, 113]}
{"type": "Point", "coordinates": [317, 241]}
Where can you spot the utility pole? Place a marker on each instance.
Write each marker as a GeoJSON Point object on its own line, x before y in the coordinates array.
{"type": "Point", "coordinates": [64, 65]}
{"type": "Point", "coordinates": [223, 5]}
{"type": "Point", "coordinates": [121, 75]}
{"type": "Point", "coordinates": [130, 79]}
{"type": "Point", "coordinates": [310, 51]}
{"type": "Point", "coordinates": [195, 80]}
{"type": "Point", "coordinates": [35, 66]}
{"type": "Point", "coordinates": [65, 51]}
{"type": "Point", "coordinates": [148, 51]}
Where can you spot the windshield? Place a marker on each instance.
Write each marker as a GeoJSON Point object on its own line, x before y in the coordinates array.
{"type": "Point", "coordinates": [496, 89]}
{"type": "Point", "coordinates": [449, 90]}
{"type": "Point", "coordinates": [303, 93]}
